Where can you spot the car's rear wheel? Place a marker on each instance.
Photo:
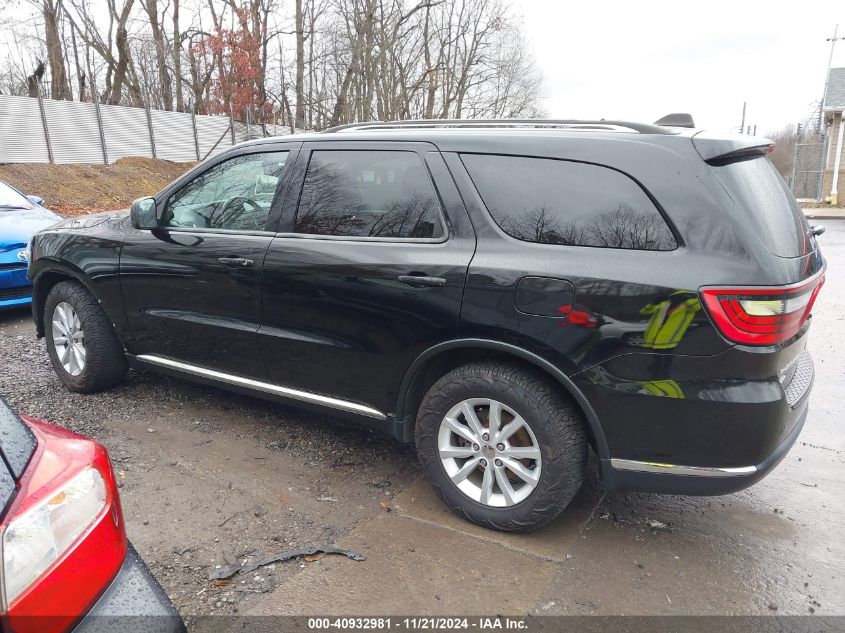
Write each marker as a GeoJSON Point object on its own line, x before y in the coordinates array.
{"type": "Point", "coordinates": [83, 347]}
{"type": "Point", "coordinates": [502, 446]}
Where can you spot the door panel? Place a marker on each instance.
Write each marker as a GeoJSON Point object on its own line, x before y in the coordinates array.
{"type": "Point", "coordinates": [192, 287]}
{"type": "Point", "coordinates": [183, 304]}
{"type": "Point", "coordinates": [345, 316]}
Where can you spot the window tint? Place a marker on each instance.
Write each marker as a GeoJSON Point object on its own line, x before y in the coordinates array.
{"type": "Point", "coordinates": [369, 194]}
{"type": "Point", "coordinates": [234, 195]}
{"type": "Point", "coordinates": [562, 202]}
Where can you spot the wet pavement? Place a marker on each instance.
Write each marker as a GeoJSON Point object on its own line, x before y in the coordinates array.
{"type": "Point", "coordinates": [209, 476]}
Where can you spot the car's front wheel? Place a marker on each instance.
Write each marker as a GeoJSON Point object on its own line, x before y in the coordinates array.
{"type": "Point", "coordinates": [501, 445]}
{"type": "Point", "coordinates": [83, 347]}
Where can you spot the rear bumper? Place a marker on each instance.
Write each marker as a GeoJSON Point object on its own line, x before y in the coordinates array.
{"type": "Point", "coordinates": [133, 603]}
{"type": "Point", "coordinates": [698, 480]}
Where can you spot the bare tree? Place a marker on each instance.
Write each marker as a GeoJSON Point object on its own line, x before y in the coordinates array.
{"type": "Point", "coordinates": [59, 86]}
{"type": "Point", "coordinates": [161, 53]}
{"type": "Point", "coordinates": [299, 120]}
{"type": "Point", "coordinates": [339, 61]}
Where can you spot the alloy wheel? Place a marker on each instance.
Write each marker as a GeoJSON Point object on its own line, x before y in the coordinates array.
{"type": "Point", "coordinates": [68, 338]}
{"type": "Point", "coordinates": [489, 452]}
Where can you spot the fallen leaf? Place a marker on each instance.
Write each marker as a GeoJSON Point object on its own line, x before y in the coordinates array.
{"type": "Point", "coordinates": [314, 557]}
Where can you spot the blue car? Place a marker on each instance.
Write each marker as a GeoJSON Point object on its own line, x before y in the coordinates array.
{"type": "Point", "coordinates": [20, 218]}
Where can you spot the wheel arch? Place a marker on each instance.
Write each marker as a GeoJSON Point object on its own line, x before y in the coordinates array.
{"type": "Point", "coordinates": [45, 276]}
{"type": "Point", "coordinates": [439, 359]}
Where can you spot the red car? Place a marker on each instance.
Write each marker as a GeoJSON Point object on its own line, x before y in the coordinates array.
{"type": "Point", "coordinates": [65, 562]}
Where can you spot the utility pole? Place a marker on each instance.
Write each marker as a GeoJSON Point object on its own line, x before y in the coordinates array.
{"type": "Point", "coordinates": [832, 41]}
{"type": "Point", "coordinates": [742, 124]}
{"type": "Point", "coordinates": [821, 129]}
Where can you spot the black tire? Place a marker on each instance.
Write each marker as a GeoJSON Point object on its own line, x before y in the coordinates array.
{"type": "Point", "coordinates": [105, 361]}
{"type": "Point", "coordinates": [557, 425]}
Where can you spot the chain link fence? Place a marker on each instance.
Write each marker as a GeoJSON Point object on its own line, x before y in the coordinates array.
{"type": "Point", "coordinates": [807, 171]}
{"type": "Point", "coordinates": [34, 130]}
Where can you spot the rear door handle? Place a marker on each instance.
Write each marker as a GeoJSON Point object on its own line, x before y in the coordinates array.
{"type": "Point", "coordinates": [236, 262]}
{"type": "Point", "coordinates": [418, 281]}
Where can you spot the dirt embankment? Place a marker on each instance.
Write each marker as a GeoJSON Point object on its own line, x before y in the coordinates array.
{"type": "Point", "coordinates": [78, 189]}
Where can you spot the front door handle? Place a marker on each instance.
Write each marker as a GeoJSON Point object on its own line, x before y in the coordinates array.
{"type": "Point", "coordinates": [418, 281]}
{"type": "Point", "coordinates": [236, 262]}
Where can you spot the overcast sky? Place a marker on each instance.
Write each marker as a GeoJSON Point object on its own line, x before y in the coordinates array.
{"type": "Point", "coordinates": [641, 60]}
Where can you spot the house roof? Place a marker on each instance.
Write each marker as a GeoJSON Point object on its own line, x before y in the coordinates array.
{"type": "Point", "coordinates": [835, 97]}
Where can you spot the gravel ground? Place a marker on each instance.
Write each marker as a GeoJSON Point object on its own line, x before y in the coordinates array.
{"type": "Point", "coordinates": [209, 477]}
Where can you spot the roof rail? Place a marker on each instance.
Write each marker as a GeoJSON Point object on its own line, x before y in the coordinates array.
{"type": "Point", "coordinates": [615, 126]}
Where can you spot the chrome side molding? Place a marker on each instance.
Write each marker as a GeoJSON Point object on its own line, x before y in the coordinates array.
{"type": "Point", "coordinates": [266, 387]}
{"type": "Point", "coordinates": [674, 469]}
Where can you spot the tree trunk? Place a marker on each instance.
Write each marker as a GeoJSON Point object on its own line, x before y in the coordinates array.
{"type": "Point", "coordinates": [218, 56]}
{"type": "Point", "coordinates": [177, 58]}
{"type": "Point", "coordinates": [122, 41]}
{"type": "Point", "coordinates": [80, 73]}
{"type": "Point", "coordinates": [357, 45]}
{"type": "Point", "coordinates": [431, 90]}
{"type": "Point", "coordinates": [59, 87]}
{"type": "Point", "coordinates": [299, 118]}
{"type": "Point", "coordinates": [164, 80]}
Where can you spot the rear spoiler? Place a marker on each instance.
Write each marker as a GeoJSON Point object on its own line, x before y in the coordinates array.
{"type": "Point", "coordinates": [721, 149]}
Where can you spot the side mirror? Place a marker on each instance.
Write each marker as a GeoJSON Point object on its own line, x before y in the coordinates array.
{"type": "Point", "coordinates": [142, 214]}
{"type": "Point", "coordinates": [37, 200]}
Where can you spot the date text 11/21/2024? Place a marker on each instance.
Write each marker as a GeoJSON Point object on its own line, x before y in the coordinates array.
{"type": "Point", "coordinates": [480, 623]}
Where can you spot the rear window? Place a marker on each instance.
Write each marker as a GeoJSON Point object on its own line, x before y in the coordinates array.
{"type": "Point", "coordinates": [759, 191]}
{"type": "Point", "coordinates": [550, 201]}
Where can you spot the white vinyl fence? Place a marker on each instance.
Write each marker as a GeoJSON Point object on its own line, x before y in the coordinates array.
{"type": "Point", "coordinates": [46, 131]}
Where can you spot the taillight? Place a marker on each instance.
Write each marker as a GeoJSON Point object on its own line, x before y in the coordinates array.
{"type": "Point", "coordinates": [34, 540]}
{"type": "Point", "coordinates": [62, 539]}
{"type": "Point", "coordinates": [761, 315]}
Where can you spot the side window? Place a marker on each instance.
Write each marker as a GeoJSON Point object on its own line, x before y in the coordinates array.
{"type": "Point", "coordinates": [562, 202]}
{"type": "Point", "coordinates": [368, 194]}
{"type": "Point", "coordinates": [234, 195]}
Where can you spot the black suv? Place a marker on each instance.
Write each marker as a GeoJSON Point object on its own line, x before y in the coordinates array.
{"type": "Point", "coordinates": [502, 293]}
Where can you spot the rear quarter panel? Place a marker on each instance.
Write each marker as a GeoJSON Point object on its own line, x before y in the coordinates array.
{"type": "Point", "coordinates": [664, 383]}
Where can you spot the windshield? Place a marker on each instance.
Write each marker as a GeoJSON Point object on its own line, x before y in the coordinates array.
{"type": "Point", "coordinates": [757, 188]}
{"type": "Point", "coordinates": [11, 198]}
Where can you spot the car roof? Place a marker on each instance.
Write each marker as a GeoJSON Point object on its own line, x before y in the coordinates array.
{"type": "Point", "coordinates": [454, 136]}
{"type": "Point", "coordinates": [504, 135]}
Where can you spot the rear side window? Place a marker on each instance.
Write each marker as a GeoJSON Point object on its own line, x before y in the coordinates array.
{"type": "Point", "coordinates": [359, 193]}
{"type": "Point", "coordinates": [552, 201]}
{"type": "Point", "coordinates": [759, 191]}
